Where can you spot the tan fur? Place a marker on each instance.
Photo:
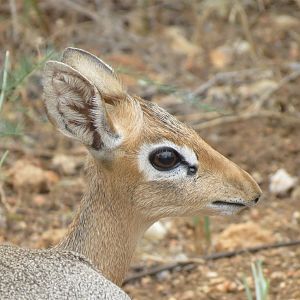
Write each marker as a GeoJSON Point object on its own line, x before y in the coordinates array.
{"type": "Point", "coordinates": [120, 203]}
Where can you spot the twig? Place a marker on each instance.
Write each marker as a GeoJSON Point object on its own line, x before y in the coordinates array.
{"type": "Point", "coordinates": [43, 153]}
{"type": "Point", "coordinates": [153, 271]}
{"type": "Point", "coordinates": [42, 17]}
{"type": "Point", "coordinates": [225, 77]}
{"type": "Point", "coordinates": [3, 157]}
{"type": "Point", "coordinates": [246, 116]}
{"type": "Point", "coordinates": [195, 117]}
{"type": "Point", "coordinates": [260, 101]}
{"type": "Point", "coordinates": [14, 18]}
{"type": "Point", "coordinates": [261, 5]}
{"type": "Point", "coordinates": [192, 263]}
{"type": "Point", "coordinates": [229, 254]}
{"type": "Point", "coordinates": [79, 9]}
{"type": "Point", "coordinates": [246, 29]}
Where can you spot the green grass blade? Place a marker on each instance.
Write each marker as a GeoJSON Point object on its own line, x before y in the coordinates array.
{"type": "Point", "coordinates": [4, 78]}
{"type": "Point", "coordinates": [247, 289]}
{"type": "Point", "coordinates": [26, 69]}
{"type": "Point", "coordinates": [261, 284]}
{"type": "Point", "coordinates": [207, 230]}
{"type": "Point", "coordinates": [196, 220]}
{"type": "Point", "coordinates": [3, 157]}
{"type": "Point", "coordinates": [256, 281]}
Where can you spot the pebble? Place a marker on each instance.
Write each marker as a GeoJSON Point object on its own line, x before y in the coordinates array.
{"type": "Point", "coordinates": [282, 285]}
{"type": "Point", "coordinates": [163, 275]}
{"type": "Point", "coordinates": [227, 287]}
{"type": "Point", "coordinates": [277, 275]}
{"type": "Point", "coordinates": [281, 182]}
{"type": "Point", "coordinates": [212, 274]}
{"type": "Point", "coordinates": [156, 232]}
{"type": "Point", "coordinates": [39, 200]}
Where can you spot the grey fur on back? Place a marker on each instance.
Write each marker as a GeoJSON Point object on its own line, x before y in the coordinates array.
{"type": "Point", "coordinates": [52, 274]}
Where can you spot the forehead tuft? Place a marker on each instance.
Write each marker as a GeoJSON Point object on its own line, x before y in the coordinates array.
{"type": "Point", "coordinates": [161, 122]}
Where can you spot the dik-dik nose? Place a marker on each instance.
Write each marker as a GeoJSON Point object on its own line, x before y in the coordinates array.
{"type": "Point", "coordinates": [252, 190]}
{"type": "Point", "coordinates": [255, 201]}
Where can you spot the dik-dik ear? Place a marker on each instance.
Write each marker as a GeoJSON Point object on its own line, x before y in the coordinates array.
{"type": "Point", "coordinates": [97, 71]}
{"type": "Point", "coordinates": [74, 105]}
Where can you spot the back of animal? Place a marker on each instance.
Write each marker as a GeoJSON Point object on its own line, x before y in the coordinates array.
{"type": "Point", "coordinates": [50, 274]}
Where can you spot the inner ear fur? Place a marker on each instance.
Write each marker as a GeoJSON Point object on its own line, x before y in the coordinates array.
{"type": "Point", "coordinates": [75, 106]}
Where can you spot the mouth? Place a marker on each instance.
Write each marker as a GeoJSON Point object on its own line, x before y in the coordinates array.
{"type": "Point", "coordinates": [229, 204]}
{"type": "Point", "coordinates": [227, 207]}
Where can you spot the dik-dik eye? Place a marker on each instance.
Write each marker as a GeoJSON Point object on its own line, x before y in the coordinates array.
{"type": "Point", "coordinates": [165, 159]}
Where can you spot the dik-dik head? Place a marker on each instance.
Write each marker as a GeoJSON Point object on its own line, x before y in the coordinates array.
{"type": "Point", "coordinates": [155, 164]}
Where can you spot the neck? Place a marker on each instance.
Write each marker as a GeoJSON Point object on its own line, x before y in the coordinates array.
{"type": "Point", "coordinates": [105, 229]}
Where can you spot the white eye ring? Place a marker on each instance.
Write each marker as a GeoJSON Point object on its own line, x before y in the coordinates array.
{"type": "Point", "coordinates": [187, 166]}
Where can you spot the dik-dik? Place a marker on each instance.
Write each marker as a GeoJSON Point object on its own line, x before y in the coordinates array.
{"type": "Point", "coordinates": [142, 165]}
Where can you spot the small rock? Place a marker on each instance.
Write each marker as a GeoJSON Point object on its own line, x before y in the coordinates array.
{"type": "Point", "coordinates": [160, 288]}
{"type": "Point", "coordinates": [156, 232]}
{"type": "Point", "coordinates": [39, 200]}
{"type": "Point", "coordinates": [221, 56]}
{"type": "Point", "coordinates": [227, 287]}
{"type": "Point", "coordinates": [282, 285]}
{"type": "Point", "coordinates": [217, 280]}
{"type": "Point", "coordinates": [181, 257]}
{"type": "Point", "coordinates": [278, 275]}
{"type": "Point", "coordinates": [179, 42]}
{"type": "Point", "coordinates": [205, 289]}
{"type": "Point", "coordinates": [146, 280]}
{"type": "Point", "coordinates": [212, 274]}
{"type": "Point", "coordinates": [163, 275]}
{"type": "Point", "coordinates": [281, 182]}
{"type": "Point", "coordinates": [241, 47]}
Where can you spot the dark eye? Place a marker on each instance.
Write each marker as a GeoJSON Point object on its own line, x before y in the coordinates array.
{"type": "Point", "coordinates": [165, 159]}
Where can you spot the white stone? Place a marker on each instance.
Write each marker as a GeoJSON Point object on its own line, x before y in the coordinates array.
{"type": "Point", "coordinates": [281, 182]}
{"type": "Point", "coordinates": [156, 232]}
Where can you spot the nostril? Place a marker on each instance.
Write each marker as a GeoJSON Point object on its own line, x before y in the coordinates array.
{"type": "Point", "coordinates": [256, 200]}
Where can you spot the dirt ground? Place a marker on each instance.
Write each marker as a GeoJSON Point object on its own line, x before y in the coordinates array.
{"type": "Point", "coordinates": [230, 69]}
